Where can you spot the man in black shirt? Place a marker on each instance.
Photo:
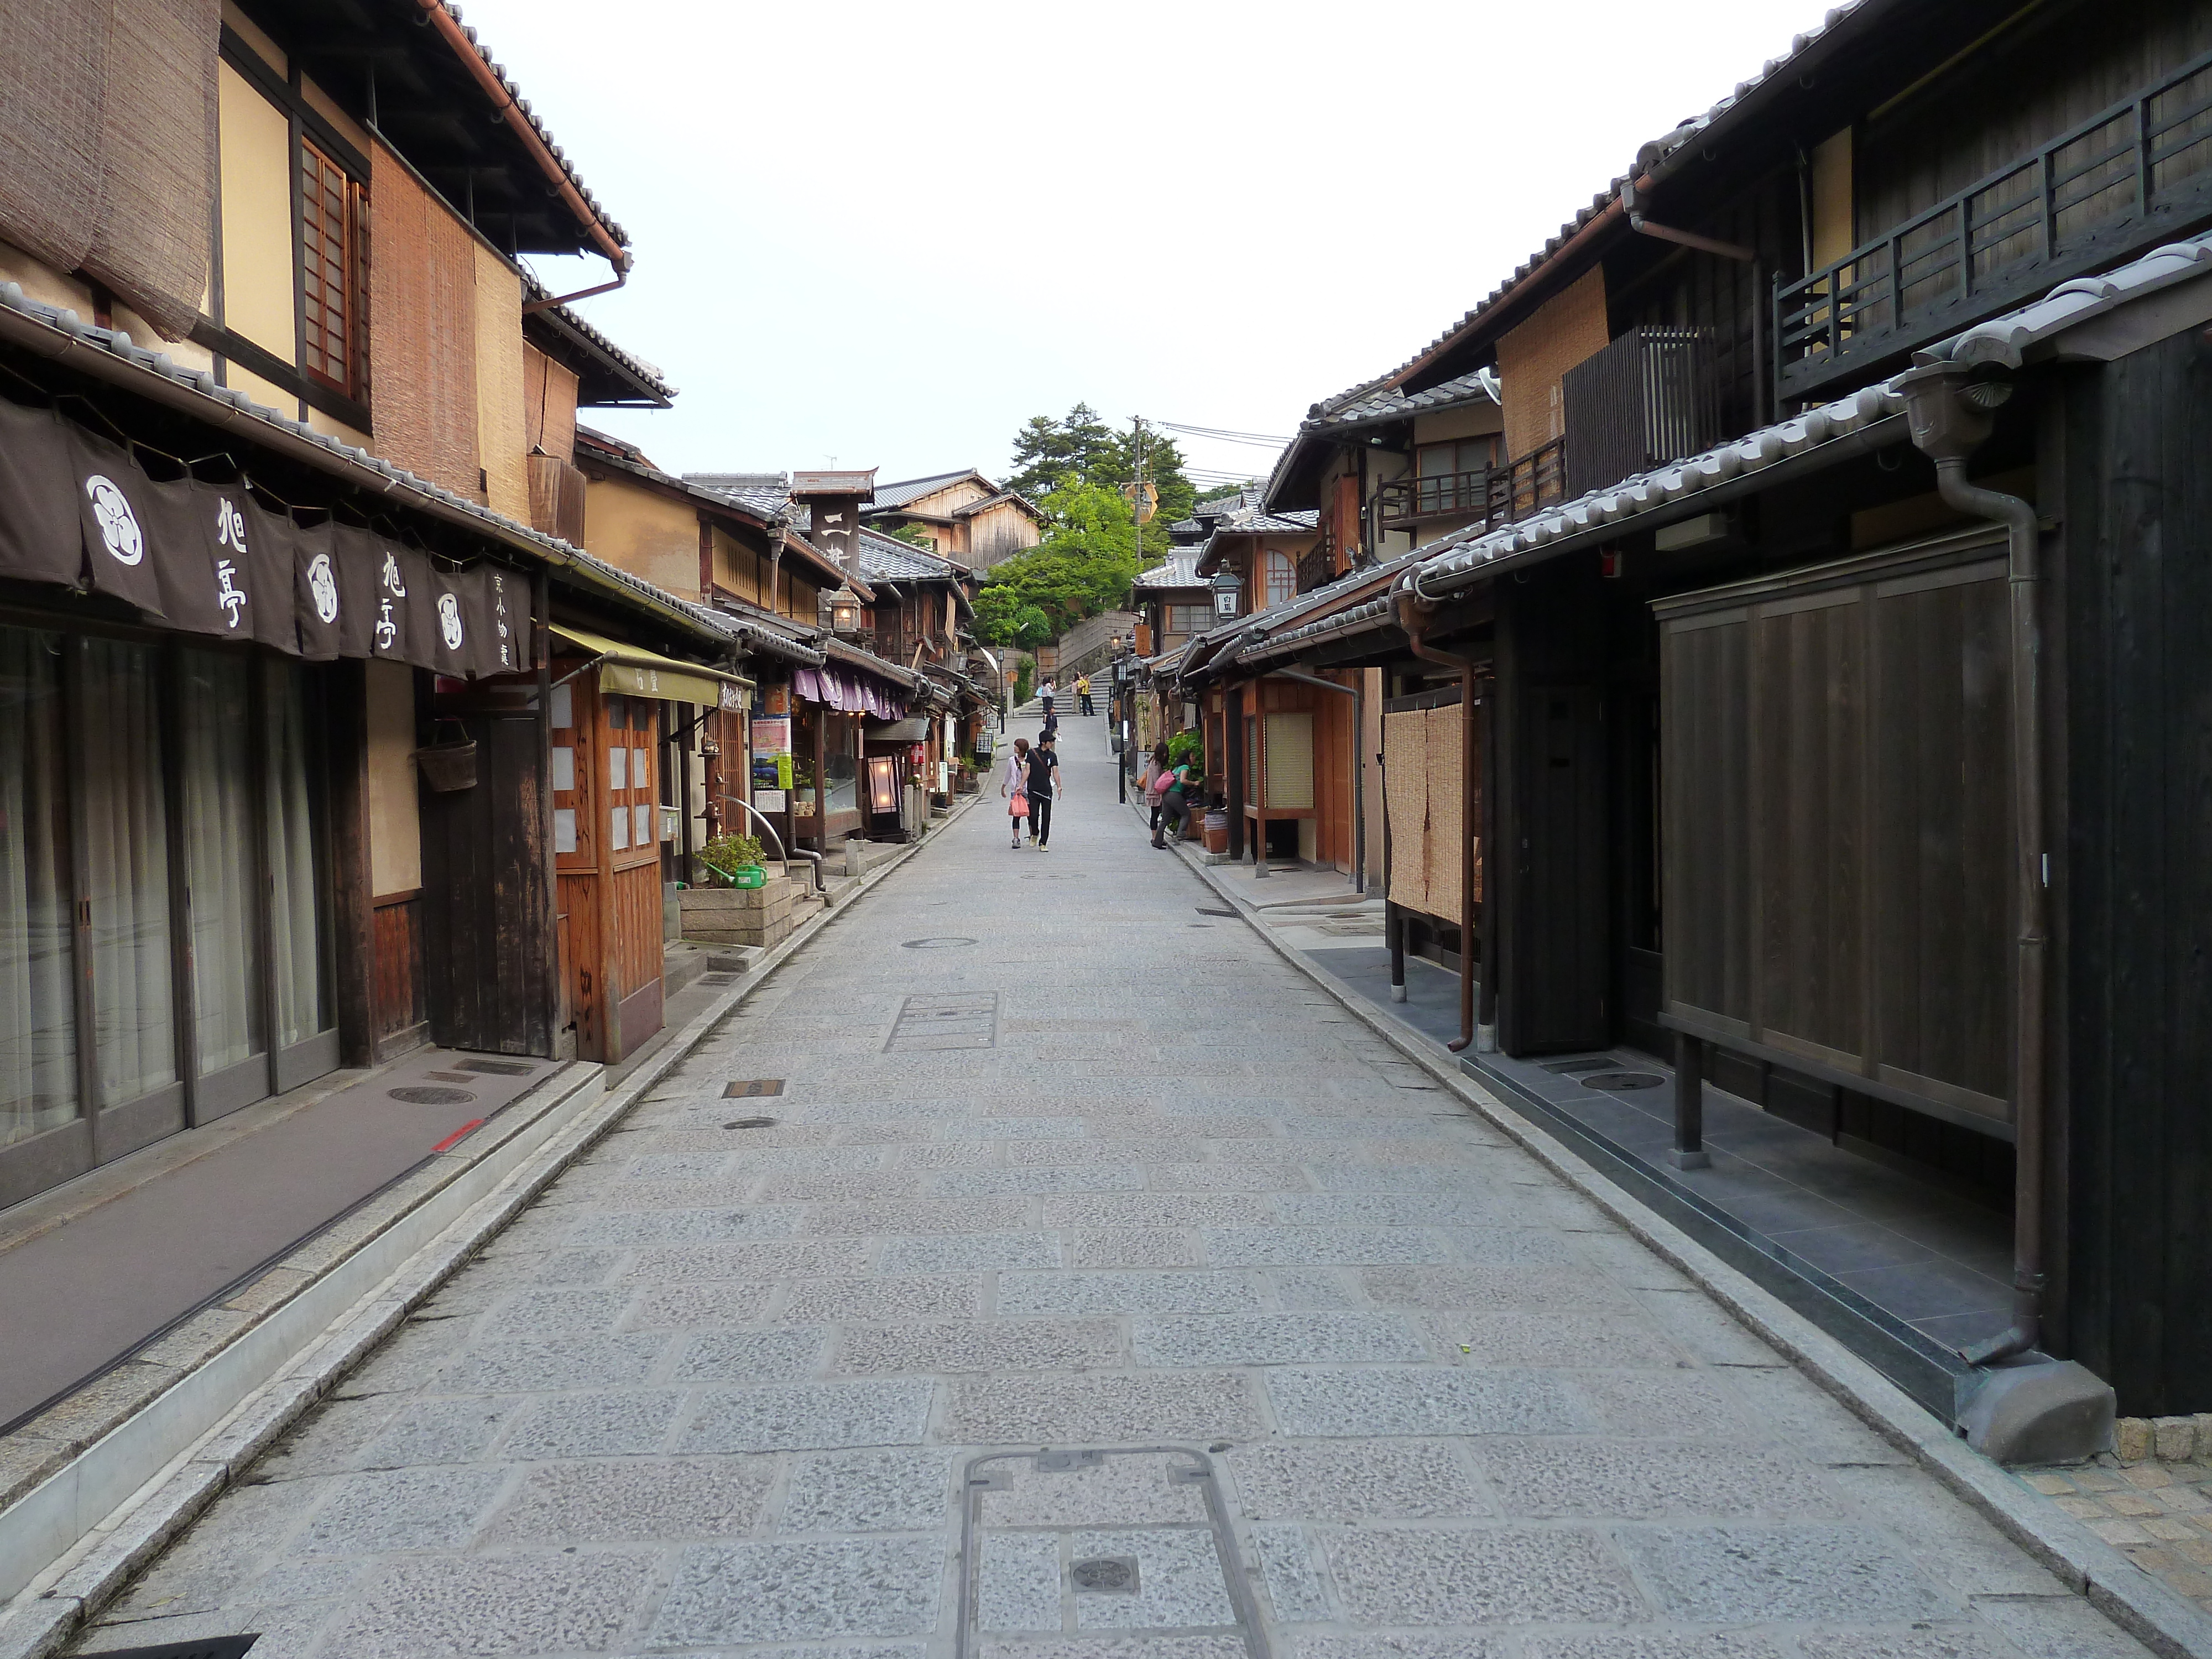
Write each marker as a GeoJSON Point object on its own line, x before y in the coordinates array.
{"type": "Point", "coordinates": [1043, 785]}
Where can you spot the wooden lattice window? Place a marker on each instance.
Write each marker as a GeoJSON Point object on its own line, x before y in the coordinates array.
{"type": "Point", "coordinates": [333, 274]}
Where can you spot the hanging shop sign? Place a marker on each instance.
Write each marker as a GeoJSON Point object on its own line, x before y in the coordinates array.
{"type": "Point", "coordinates": [78, 511]}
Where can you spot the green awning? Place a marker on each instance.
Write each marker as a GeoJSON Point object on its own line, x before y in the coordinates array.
{"type": "Point", "coordinates": [645, 673]}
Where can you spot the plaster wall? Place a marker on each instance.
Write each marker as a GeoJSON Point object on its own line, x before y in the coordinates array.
{"type": "Point", "coordinates": [258, 261]}
{"type": "Point", "coordinates": [636, 530]}
{"type": "Point", "coordinates": [395, 824]}
{"type": "Point", "coordinates": [1568, 327]}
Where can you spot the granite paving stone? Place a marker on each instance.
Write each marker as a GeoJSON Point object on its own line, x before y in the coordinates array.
{"type": "Point", "coordinates": [635, 1499]}
{"type": "Point", "coordinates": [782, 1592]}
{"type": "Point", "coordinates": [715, 1392]}
{"type": "Point", "coordinates": [1354, 1479]}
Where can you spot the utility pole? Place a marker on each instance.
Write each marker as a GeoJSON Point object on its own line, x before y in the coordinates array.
{"type": "Point", "coordinates": [1123, 693]}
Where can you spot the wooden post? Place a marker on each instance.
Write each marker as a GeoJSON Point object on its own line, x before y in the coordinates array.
{"type": "Point", "coordinates": [1689, 1150]}
{"type": "Point", "coordinates": [1486, 1018]}
{"type": "Point", "coordinates": [355, 951]}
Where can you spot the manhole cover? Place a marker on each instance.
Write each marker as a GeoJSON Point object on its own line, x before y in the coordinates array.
{"type": "Point", "coordinates": [750, 1123]}
{"type": "Point", "coordinates": [945, 1019]}
{"type": "Point", "coordinates": [497, 1068]}
{"type": "Point", "coordinates": [752, 1088]}
{"type": "Point", "coordinates": [950, 942]}
{"type": "Point", "coordinates": [431, 1095]}
{"type": "Point", "coordinates": [1151, 1557]}
{"type": "Point", "coordinates": [1618, 1081]}
{"type": "Point", "coordinates": [1115, 1574]}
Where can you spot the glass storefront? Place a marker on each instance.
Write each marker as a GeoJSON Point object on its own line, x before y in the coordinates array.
{"type": "Point", "coordinates": [164, 894]}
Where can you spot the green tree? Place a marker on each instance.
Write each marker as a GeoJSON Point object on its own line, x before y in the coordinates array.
{"type": "Point", "coordinates": [914, 536]}
{"type": "Point", "coordinates": [1049, 453]}
{"type": "Point", "coordinates": [1083, 566]}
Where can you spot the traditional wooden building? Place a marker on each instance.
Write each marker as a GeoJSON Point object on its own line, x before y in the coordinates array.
{"type": "Point", "coordinates": [279, 633]}
{"type": "Point", "coordinates": [1833, 759]}
{"type": "Point", "coordinates": [964, 516]}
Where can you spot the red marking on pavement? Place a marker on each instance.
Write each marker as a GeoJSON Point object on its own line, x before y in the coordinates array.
{"type": "Point", "coordinates": [473, 1123]}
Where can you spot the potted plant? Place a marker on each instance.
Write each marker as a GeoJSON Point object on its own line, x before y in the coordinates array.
{"type": "Point", "coordinates": [735, 859]}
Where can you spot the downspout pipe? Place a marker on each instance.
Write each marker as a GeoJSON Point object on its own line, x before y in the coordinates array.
{"type": "Point", "coordinates": [1413, 608]}
{"type": "Point", "coordinates": [1950, 413]}
{"type": "Point", "coordinates": [1359, 777]}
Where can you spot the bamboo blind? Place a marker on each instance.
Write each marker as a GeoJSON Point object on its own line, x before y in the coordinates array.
{"type": "Point", "coordinates": [501, 414]}
{"type": "Point", "coordinates": [107, 137]}
{"type": "Point", "coordinates": [422, 318]}
{"type": "Point", "coordinates": [1423, 766]}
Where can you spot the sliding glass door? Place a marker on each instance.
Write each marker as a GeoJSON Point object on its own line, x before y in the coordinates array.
{"type": "Point", "coordinates": [117, 708]}
{"type": "Point", "coordinates": [165, 933]}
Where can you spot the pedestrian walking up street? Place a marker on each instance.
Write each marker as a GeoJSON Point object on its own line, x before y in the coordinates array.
{"type": "Point", "coordinates": [1014, 786]}
{"type": "Point", "coordinates": [1043, 789]}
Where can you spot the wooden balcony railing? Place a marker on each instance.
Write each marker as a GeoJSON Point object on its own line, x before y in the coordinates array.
{"type": "Point", "coordinates": [2139, 174]}
{"type": "Point", "coordinates": [1406, 502]}
{"type": "Point", "coordinates": [1491, 498]}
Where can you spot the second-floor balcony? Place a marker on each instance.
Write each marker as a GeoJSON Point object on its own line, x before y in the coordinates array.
{"type": "Point", "coordinates": [1495, 495]}
{"type": "Point", "coordinates": [2137, 174]}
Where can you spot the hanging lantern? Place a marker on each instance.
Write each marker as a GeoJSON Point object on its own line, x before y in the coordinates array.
{"type": "Point", "coordinates": [1228, 589]}
{"type": "Point", "coordinates": [845, 610]}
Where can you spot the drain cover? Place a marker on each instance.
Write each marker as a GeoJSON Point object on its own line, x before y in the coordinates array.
{"type": "Point", "coordinates": [752, 1088]}
{"type": "Point", "coordinates": [717, 979]}
{"type": "Point", "coordinates": [1055, 875]}
{"type": "Point", "coordinates": [431, 1095]}
{"type": "Point", "coordinates": [208, 1647]}
{"type": "Point", "coordinates": [450, 1077]}
{"type": "Point", "coordinates": [948, 1019]}
{"type": "Point", "coordinates": [1208, 910]}
{"type": "Point", "coordinates": [497, 1068]}
{"type": "Point", "coordinates": [1109, 1574]}
{"type": "Point", "coordinates": [750, 1123]}
{"type": "Point", "coordinates": [950, 942]}
{"type": "Point", "coordinates": [1618, 1081]}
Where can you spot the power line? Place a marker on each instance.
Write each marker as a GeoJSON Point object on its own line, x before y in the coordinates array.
{"type": "Point", "coordinates": [1221, 434]}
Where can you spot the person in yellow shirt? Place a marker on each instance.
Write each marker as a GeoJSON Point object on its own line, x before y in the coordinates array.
{"type": "Point", "coordinates": [1083, 694]}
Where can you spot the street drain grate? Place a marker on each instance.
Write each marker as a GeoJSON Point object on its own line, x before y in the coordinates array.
{"type": "Point", "coordinates": [1055, 875]}
{"type": "Point", "coordinates": [1568, 1067]}
{"type": "Point", "coordinates": [208, 1647]}
{"type": "Point", "coordinates": [752, 1088]}
{"type": "Point", "coordinates": [450, 1077]}
{"type": "Point", "coordinates": [497, 1068]}
{"type": "Point", "coordinates": [1618, 1081]}
{"type": "Point", "coordinates": [431, 1095]}
{"type": "Point", "coordinates": [718, 979]}
{"type": "Point", "coordinates": [940, 1020]}
{"type": "Point", "coordinates": [1208, 910]}
{"type": "Point", "coordinates": [1145, 1526]}
{"type": "Point", "coordinates": [1108, 1575]}
{"type": "Point", "coordinates": [948, 942]}
{"type": "Point", "coordinates": [750, 1123]}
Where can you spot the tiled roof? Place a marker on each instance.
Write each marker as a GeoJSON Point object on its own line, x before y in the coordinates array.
{"type": "Point", "coordinates": [989, 501]}
{"type": "Point", "coordinates": [886, 558]}
{"type": "Point", "coordinates": [1373, 402]}
{"type": "Point", "coordinates": [537, 126]}
{"type": "Point", "coordinates": [2008, 341]}
{"type": "Point", "coordinates": [1776, 72]}
{"type": "Point", "coordinates": [649, 377]}
{"type": "Point", "coordinates": [1180, 570]}
{"type": "Point", "coordinates": [909, 489]}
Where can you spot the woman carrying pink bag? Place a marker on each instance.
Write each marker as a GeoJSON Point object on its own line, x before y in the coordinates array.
{"type": "Point", "coordinates": [1014, 784]}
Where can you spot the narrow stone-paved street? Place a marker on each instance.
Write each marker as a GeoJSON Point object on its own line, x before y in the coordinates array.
{"type": "Point", "coordinates": [1059, 1161]}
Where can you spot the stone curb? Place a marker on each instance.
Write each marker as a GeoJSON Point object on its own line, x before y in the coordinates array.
{"type": "Point", "coordinates": [73, 1589]}
{"type": "Point", "coordinates": [2159, 1617]}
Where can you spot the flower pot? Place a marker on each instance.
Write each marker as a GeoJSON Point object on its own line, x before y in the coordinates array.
{"type": "Point", "coordinates": [1217, 832]}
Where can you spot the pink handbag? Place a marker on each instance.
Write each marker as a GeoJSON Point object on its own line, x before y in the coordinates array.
{"type": "Point", "coordinates": [1018, 806]}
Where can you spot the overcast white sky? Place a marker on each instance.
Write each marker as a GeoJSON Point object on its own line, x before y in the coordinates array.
{"type": "Point", "coordinates": [884, 234]}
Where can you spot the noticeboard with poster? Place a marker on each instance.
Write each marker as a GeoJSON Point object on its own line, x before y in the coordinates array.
{"type": "Point", "coordinates": [772, 752]}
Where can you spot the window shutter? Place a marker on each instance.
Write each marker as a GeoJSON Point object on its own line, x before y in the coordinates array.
{"type": "Point", "coordinates": [1289, 761]}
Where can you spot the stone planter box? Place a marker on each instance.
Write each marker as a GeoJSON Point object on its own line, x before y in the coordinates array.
{"type": "Point", "coordinates": [740, 915]}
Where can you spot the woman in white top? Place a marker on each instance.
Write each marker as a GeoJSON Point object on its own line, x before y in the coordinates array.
{"type": "Point", "coordinates": [1014, 780]}
{"type": "Point", "coordinates": [1045, 695]}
